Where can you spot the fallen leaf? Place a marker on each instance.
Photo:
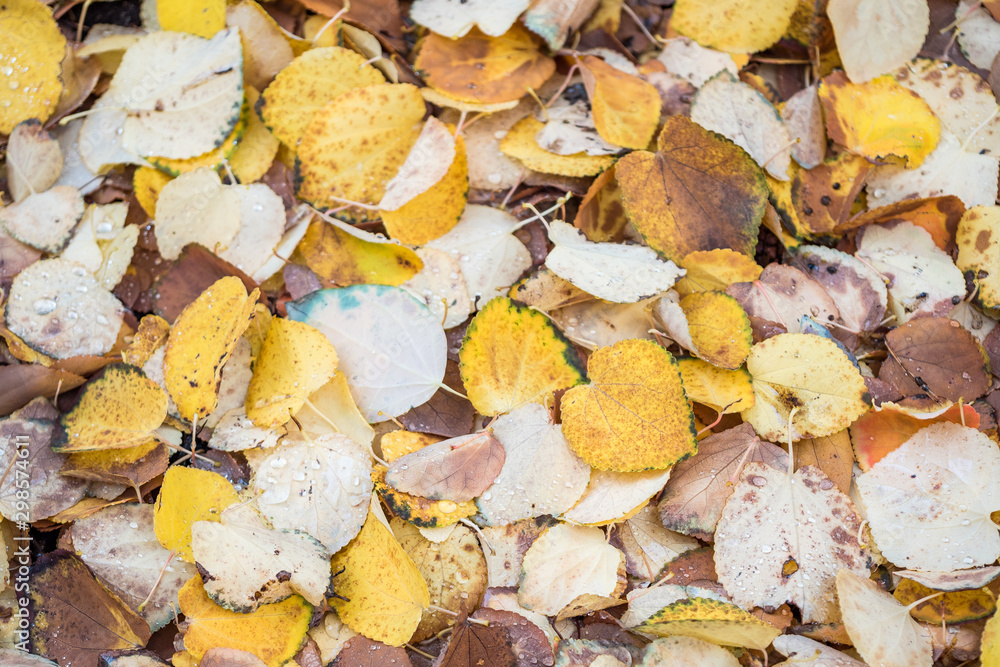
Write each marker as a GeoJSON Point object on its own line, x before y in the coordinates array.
{"type": "Point", "coordinates": [711, 325]}
{"type": "Point", "coordinates": [950, 607]}
{"type": "Point", "coordinates": [196, 207]}
{"type": "Point", "coordinates": [613, 497]}
{"type": "Point", "coordinates": [476, 644]}
{"type": "Point", "coordinates": [444, 18]}
{"type": "Point", "coordinates": [698, 177]}
{"type": "Point", "coordinates": [722, 390]}
{"type": "Point", "coordinates": [785, 295]}
{"type": "Point", "coordinates": [362, 652]}
{"type": "Point", "coordinates": [713, 621]}
{"type": "Point", "coordinates": [626, 109]}
{"type": "Point", "coordinates": [203, 18]}
{"type": "Point", "coordinates": [253, 155]}
{"type": "Point", "coordinates": [421, 512]}
{"type": "Point", "coordinates": [945, 474]}
{"type": "Point", "coordinates": [132, 466]}
{"type": "Point", "coordinates": [350, 258]}
{"type": "Point", "coordinates": [34, 160]}
{"type": "Point", "coordinates": [383, 593]}
{"type": "Point", "coordinates": [977, 254]}
{"type": "Point", "coordinates": [521, 144]}
{"type": "Point", "coordinates": [715, 270]}
{"type": "Point", "coordinates": [857, 24]}
{"type": "Point", "coordinates": [682, 650]}
{"type": "Point", "coordinates": [262, 222]}
{"type": "Point", "coordinates": [959, 580]}
{"type": "Point", "coordinates": [647, 545]}
{"type": "Point", "coordinates": [457, 469]}
{"type": "Point", "coordinates": [803, 116]}
{"type": "Point", "coordinates": [881, 629]}
{"type": "Point", "coordinates": [798, 649]}
{"type": "Point", "coordinates": [736, 26]}
{"type": "Point", "coordinates": [878, 432]}
{"type": "Point", "coordinates": [34, 48]}
{"type": "Point", "coordinates": [832, 454]}
{"type": "Point", "coordinates": [977, 34]}
{"type": "Point", "coordinates": [186, 496]}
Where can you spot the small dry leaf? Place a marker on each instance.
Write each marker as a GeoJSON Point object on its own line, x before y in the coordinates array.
{"type": "Point", "coordinates": [44, 220]}
{"type": "Point", "coordinates": [34, 160]}
{"type": "Point", "coordinates": [457, 469]}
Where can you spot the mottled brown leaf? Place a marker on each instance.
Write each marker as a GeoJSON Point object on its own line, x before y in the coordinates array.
{"type": "Point", "coordinates": [478, 645]}
{"type": "Point", "coordinates": [457, 469]}
{"type": "Point", "coordinates": [360, 651]}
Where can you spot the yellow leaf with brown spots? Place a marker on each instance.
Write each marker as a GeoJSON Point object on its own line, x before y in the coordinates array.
{"type": "Point", "coordinates": [626, 109]}
{"type": "Point", "coordinates": [295, 361]}
{"type": "Point", "coordinates": [152, 333]}
{"type": "Point", "coordinates": [307, 84]}
{"type": "Point", "coordinates": [634, 415]}
{"type": "Point", "coordinates": [736, 26]}
{"type": "Point", "coordinates": [520, 144]}
{"type": "Point", "coordinates": [978, 241]}
{"type": "Point", "coordinates": [482, 69]}
{"type": "Point", "coordinates": [719, 328]}
{"type": "Point", "coordinates": [355, 144]}
{"type": "Point", "coordinates": [713, 621]}
{"type": "Point", "coordinates": [346, 259]}
{"type": "Point", "coordinates": [880, 120]}
{"type": "Point", "coordinates": [203, 337]}
{"type": "Point", "coordinates": [421, 512]}
{"type": "Point", "coordinates": [119, 407]}
{"type": "Point", "coordinates": [384, 595]}
{"type": "Point", "coordinates": [699, 191]}
{"type": "Point", "coordinates": [715, 270]}
{"type": "Point", "coordinates": [31, 58]}
{"type": "Point", "coordinates": [949, 607]}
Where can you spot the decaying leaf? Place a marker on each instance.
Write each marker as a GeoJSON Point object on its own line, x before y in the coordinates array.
{"type": "Point", "coordinates": [457, 469]}
{"type": "Point", "coordinates": [711, 620]}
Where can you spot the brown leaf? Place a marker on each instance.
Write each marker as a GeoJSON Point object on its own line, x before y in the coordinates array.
{"type": "Point", "coordinates": [360, 651]}
{"type": "Point", "coordinates": [938, 215]}
{"type": "Point", "coordinates": [457, 469]}
{"type": "Point", "coordinates": [936, 356]}
{"type": "Point", "coordinates": [195, 270]}
{"type": "Point", "coordinates": [480, 645]}
{"type": "Point", "coordinates": [528, 642]}
{"type": "Point", "coordinates": [831, 454]}
{"type": "Point", "coordinates": [693, 499]}
{"type": "Point", "coordinates": [601, 215]}
{"type": "Point", "coordinates": [19, 383]}
{"type": "Point", "coordinates": [133, 466]}
{"type": "Point", "coordinates": [693, 568]}
{"type": "Point", "coordinates": [782, 295]}
{"type": "Point", "coordinates": [73, 619]}
{"type": "Point", "coordinates": [823, 195]}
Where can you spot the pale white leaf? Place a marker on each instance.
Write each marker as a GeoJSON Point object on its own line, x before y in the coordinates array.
{"type": "Point", "coordinates": [684, 651]}
{"type": "Point", "coordinates": [569, 129]}
{"type": "Point", "coordinates": [262, 223]}
{"type": "Point", "coordinates": [455, 18]}
{"type": "Point", "coordinates": [196, 207]}
{"type": "Point", "coordinates": [803, 116]}
{"type": "Point", "coordinates": [978, 33]}
{"type": "Point", "coordinates": [898, 27]}
{"type": "Point", "coordinates": [596, 323]}
{"type": "Point", "coordinates": [801, 650]}
{"type": "Point", "coordinates": [612, 495]}
{"type": "Point", "coordinates": [441, 286]}
{"type": "Point", "coordinates": [44, 220]}
{"type": "Point", "coordinates": [648, 546]}
{"type": "Point", "coordinates": [426, 164]}
{"type": "Point", "coordinates": [34, 160]}
{"type": "Point", "coordinates": [693, 62]}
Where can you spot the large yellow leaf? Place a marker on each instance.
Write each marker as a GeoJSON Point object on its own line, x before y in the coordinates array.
{"type": "Point", "coordinates": [203, 338]}
{"type": "Point", "coordinates": [979, 251]}
{"type": "Point", "coordinates": [273, 633]}
{"type": "Point", "coordinates": [384, 593]}
{"type": "Point", "coordinates": [626, 109]}
{"type": "Point", "coordinates": [356, 143]}
{"type": "Point", "coordinates": [119, 407]}
{"type": "Point", "coordinates": [809, 374]}
{"type": "Point", "coordinates": [198, 17]}
{"type": "Point", "coordinates": [295, 361]}
{"type": "Point", "coordinates": [482, 69]}
{"type": "Point", "coordinates": [713, 621]}
{"type": "Point", "coordinates": [307, 84]}
{"type": "Point", "coordinates": [348, 259]}
{"type": "Point", "coordinates": [879, 120]}
{"type": "Point", "coordinates": [737, 26]}
{"type": "Point", "coordinates": [31, 55]}
{"type": "Point", "coordinates": [513, 355]}
{"type": "Point", "coordinates": [634, 415]}
{"type": "Point", "coordinates": [189, 495]}
{"type": "Point", "coordinates": [699, 191]}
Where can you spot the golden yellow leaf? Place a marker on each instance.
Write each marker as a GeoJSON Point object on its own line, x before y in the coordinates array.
{"type": "Point", "coordinates": [626, 109]}
{"type": "Point", "coordinates": [151, 334]}
{"type": "Point", "coordinates": [198, 17]}
{"type": "Point", "coordinates": [809, 374]}
{"type": "Point", "coordinates": [256, 150]}
{"type": "Point", "coordinates": [979, 251]}
{"type": "Point", "coordinates": [949, 607]}
{"type": "Point", "coordinates": [385, 594]}
{"type": "Point", "coordinates": [189, 495]}
{"type": "Point", "coordinates": [634, 415]}
{"type": "Point", "coordinates": [879, 120]}
{"type": "Point", "coordinates": [273, 632]}
{"type": "Point", "coordinates": [520, 144]}
{"type": "Point", "coordinates": [722, 390]}
{"type": "Point", "coordinates": [434, 212]}
{"type": "Point", "coordinates": [31, 57]}
{"type": "Point", "coordinates": [356, 143]}
{"type": "Point", "coordinates": [307, 84]}
{"type": "Point", "coordinates": [719, 328]}
{"type": "Point", "coordinates": [716, 269]}
{"type": "Point", "coordinates": [118, 407]}
{"type": "Point", "coordinates": [713, 621]}
{"type": "Point", "coordinates": [991, 642]}
{"type": "Point", "coordinates": [400, 443]}
{"type": "Point", "coordinates": [513, 355]}
{"type": "Point", "coordinates": [203, 338]}
{"type": "Point", "coordinates": [345, 259]}
{"type": "Point", "coordinates": [699, 191]}
{"type": "Point", "coordinates": [481, 69]}
{"type": "Point", "coordinates": [736, 26]}
{"type": "Point", "coordinates": [147, 183]}
{"type": "Point", "coordinates": [421, 512]}
{"type": "Point", "coordinates": [296, 360]}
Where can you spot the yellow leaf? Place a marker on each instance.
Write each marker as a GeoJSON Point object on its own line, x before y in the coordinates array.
{"type": "Point", "coordinates": [634, 415]}
{"type": "Point", "coordinates": [991, 642]}
{"type": "Point", "coordinates": [979, 251]}
{"type": "Point", "coordinates": [400, 443]}
{"type": "Point", "coordinates": [482, 69]}
{"type": "Point", "coordinates": [699, 191]}
{"type": "Point", "coordinates": [626, 109]}
{"type": "Point", "coordinates": [385, 594]}
{"type": "Point", "coordinates": [736, 26]}
{"type": "Point", "coordinates": [203, 18]}
{"type": "Point", "coordinates": [356, 143]}
{"type": "Point", "coordinates": [949, 607]}
{"type": "Point", "coordinates": [717, 269]}
{"type": "Point", "coordinates": [151, 334]}
{"type": "Point", "coordinates": [118, 407]}
{"type": "Point", "coordinates": [307, 84]}
{"type": "Point", "coordinates": [256, 150]}
{"type": "Point", "coordinates": [434, 212]}
{"type": "Point", "coordinates": [513, 355]}
{"type": "Point", "coordinates": [520, 144]}
{"type": "Point", "coordinates": [421, 512]}
{"type": "Point", "coordinates": [189, 495]}
{"type": "Point", "coordinates": [296, 360]}
{"type": "Point", "coordinates": [722, 390]}
{"type": "Point", "coordinates": [203, 338]}
{"type": "Point", "coordinates": [713, 621]}
{"type": "Point", "coordinates": [31, 54]}
{"type": "Point", "coordinates": [273, 633]}
{"type": "Point", "coordinates": [345, 259]}
{"type": "Point", "coordinates": [809, 374]}
{"type": "Point", "coordinates": [147, 183]}
{"type": "Point", "coordinates": [719, 328]}
{"type": "Point", "coordinates": [331, 409]}
{"type": "Point", "coordinates": [133, 466]}
{"type": "Point", "coordinates": [879, 120]}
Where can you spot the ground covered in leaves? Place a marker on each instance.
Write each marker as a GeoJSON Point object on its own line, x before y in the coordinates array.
{"type": "Point", "coordinates": [469, 332]}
